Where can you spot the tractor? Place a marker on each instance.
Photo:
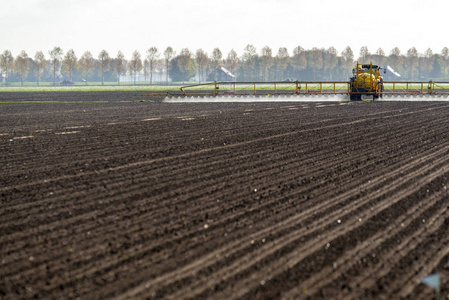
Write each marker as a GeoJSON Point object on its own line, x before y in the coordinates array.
{"type": "Point", "coordinates": [366, 80]}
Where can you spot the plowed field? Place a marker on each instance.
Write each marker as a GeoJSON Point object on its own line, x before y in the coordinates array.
{"type": "Point", "coordinates": [106, 197]}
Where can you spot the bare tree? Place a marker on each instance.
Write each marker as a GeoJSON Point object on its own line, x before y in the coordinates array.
{"type": "Point", "coordinates": [7, 63]}
{"type": "Point", "coordinates": [169, 53]}
{"type": "Point", "coordinates": [380, 52]}
{"type": "Point", "coordinates": [445, 58]}
{"type": "Point", "coordinates": [216, 61]}
{"type": "Point", "coordinates": [145, 68]}
{"type": "Point", "coordinates": [22, 65]}
{"type": "Point", "coordinates": [152, 57]}
{"type": "Point", "coordinates": [184, 60]}
{"type": "Point", "coordinates": [315, 61]}
{"type": "Point", "coordinates": [103, 64]}
{"type": "Point", "coordinates": [266, 61]}
{"type": "Point", "coordinates": [445, 53]}
{"type": "Point", "coordinates": [281, 61]}
{"type": "Point", "coordinates": [364, 54]}
{"type": "Point", "coordinates": [55, 56]}
{"type": "Point", "coordinates": [86, 65]}
{"type": "Point", "coordinates": [348, 55]}
{"type": "Point", "coordinates": [379, 57]}
{"type": "Point", "coordinates": [330, 60]}
{"type": "Point", "coordinates": [39, 65]}
{"type": "Point", "coordinates": [232, 61]}
{"type": "Point", "coordinates": [69, 63]}
{"type": "Point", "coordinates": [119, 66]}
{"type": "Point", "coordinates": [395, 59]}
{"type": "Point", "coordinates": [249, 59]}
{"type": "Point", "coordinates": [412, 60]}
{"type": "Point", "coordinates": [426, 63]}
{"type": "Point", "coordinates": [299, 60]}
{"type": "Point", "coordinates": [160, 68]}
{"type": "Point", "coordinates": [201, 60]}
{"type": "Point", "coordinates": [135, 65]}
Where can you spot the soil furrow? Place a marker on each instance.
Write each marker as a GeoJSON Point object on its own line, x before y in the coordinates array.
{"type": "Point", "coordinates": [291, 259]}
{"type": "Point", "coordinates": [221, 200]}
{"type": "Point", "coordinates": [369, 246]}
{"type": "Point", "coordinates": [330, 218]}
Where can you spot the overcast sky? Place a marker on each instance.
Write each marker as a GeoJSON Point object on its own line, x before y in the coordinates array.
{"type": "Point", "coordinates": [114, 25]}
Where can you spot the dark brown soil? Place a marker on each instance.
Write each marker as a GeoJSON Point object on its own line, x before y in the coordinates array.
{"type": "Point", "coordinates": [106, 197]}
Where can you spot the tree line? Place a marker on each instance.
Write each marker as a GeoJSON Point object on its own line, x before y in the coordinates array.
{"type": "Point", "coordinates": [253, 65]}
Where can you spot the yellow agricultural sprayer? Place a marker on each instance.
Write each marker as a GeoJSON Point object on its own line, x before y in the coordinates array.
{"type": "Point", "coordinates": [366, 82]}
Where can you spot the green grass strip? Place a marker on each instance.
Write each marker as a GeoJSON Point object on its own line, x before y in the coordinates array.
{"type": "Point", "coordinates": [88, 89]}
